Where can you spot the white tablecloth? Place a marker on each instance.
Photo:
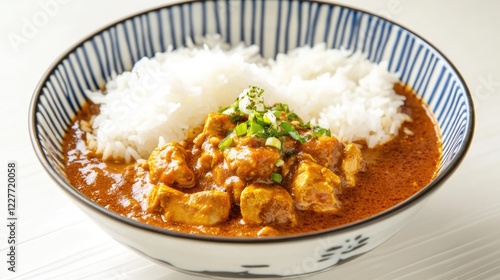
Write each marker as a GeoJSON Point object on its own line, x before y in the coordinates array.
{"type": "Point", "coordinates": [455, 236]}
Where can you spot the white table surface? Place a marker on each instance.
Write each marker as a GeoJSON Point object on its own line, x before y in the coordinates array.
{"type": "Point", "coordinates": [455, 236]}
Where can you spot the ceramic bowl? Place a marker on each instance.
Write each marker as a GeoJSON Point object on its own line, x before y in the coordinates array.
{"type": "Point", "coordinates": [275, 26]}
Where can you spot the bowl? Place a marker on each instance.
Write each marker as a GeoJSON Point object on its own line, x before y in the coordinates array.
{"type": "Point", "coordinates": [275, 26]}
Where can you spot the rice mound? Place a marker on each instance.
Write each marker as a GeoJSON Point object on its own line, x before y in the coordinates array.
{"type": "Point", "coordinates": [163, 96]}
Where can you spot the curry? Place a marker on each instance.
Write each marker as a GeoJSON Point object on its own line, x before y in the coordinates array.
{"type": "Point", "coordinates": [259, 172]}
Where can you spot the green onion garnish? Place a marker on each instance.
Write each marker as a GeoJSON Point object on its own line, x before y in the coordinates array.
{"type": "Point", "coordinates": [241, 129]}
{"type": "Point", "coordinates": [287, 126]}
{"type": "Point", "coordinates": [255, 127]}
{"type": "Point", "coordinates": [235, 118]}
{"type": "Point", "coordinates": [319, 131]}
{"type": "Point", "coordinates": [266, 119]}
{"type": "Point", "coordinates": [292, 116]}
{"type": "Point", "coordinates": [279, 163]}
{"type": "Point", "coordinates": [226, 142]}
{"type": "Point", "coordinates": [255, 119]}
{"type": "Point", "coordinates": [276, 177]}
{"type": "Point", "coordinates": [292, 132]}
{"type": "Point", "coordinates": [273, 142]}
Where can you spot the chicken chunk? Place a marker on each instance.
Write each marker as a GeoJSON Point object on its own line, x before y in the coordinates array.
{"type": "Point", "coordinates": [326, 150]}
{"type": "Point", "coordinates": [209, 155]}
{"type": "Point", "coordinates": [256, 164]}
{"type": "Point", "coordinates": [167, 165]}
{"type": "Point", "coordinates": [352, 164]}
{"type": "Point", "coordinates": [205, 149]}
{"type": "Point", "coordinates": [267, 205]}
{"type": "Point", "coordinates": [226, 181]}
{"type": "Point", "coordinates": [200, 208]}
{"type": "Point", "coordinates": [217, 125]}
{"type": "Point", "coordinates": [314, 187]}
{"type": "Point", "coordinates": [234, 186]}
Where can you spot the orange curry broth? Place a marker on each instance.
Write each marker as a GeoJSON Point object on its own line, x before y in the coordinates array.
{"type": "Point", "coordinates": [394, 171]}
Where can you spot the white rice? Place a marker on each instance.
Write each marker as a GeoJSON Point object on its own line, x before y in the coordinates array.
{"type": "Point", "coordinates": [161, 97]}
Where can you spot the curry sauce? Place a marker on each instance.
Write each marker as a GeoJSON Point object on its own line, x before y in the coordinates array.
{"type": "Point", "coordinates": [391, 173]}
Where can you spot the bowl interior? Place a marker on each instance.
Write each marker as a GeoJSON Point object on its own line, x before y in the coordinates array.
{"type": "Point", "coordinates": [276, 26]}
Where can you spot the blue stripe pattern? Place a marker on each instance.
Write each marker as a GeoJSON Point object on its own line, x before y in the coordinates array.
{"type": "Point", "coordinates": [274, 25]}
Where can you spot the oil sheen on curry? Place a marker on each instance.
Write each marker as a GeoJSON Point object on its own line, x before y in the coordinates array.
{"type": "Point", "coordinates": [259, 172]}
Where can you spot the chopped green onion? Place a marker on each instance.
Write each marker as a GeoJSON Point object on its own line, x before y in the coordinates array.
{"type": "Point", "coordinates": [287, 126]}
{"type": "Point", "coordinates": [279, 163]}
{"type": "Point", "coordinates": [270, 118]}
{"type": "Point", "coordinates": [226, 142]}
{"type": "Point", "coordinates": [266, 119]}
{"type": "Point", "coordinates": [292, 131]}
{"type": "Point", "coordinates": [235, 118]}
{"type": "Point", "coordinates": [256, 116]}
{"type": "Point", "coordinates": [241, 129]}
{"type": "Point", "coordinates": [308, 137]}
{"type": "Point", "coordinates": [224, 109]}
{"type": "Point", "coordinates": [276, 177]}
{"type": "Point", "coordinates": [295, 135]}
{"type": "Point", "coordinates": [273, 142]}
{"type": "Point", "coordinates": [292, 116]}
{"type": "Point", "coordinates": [255, 127]}
{"type": "Point", "coordinates": [261, 135]}
{"type": "Point", "coordinates": [271, 132]}
{"type": "Point", "coordinates": [282, 107]}
{"type": "Point", "coordinates": [319, 131]}
{"type": "Point", "coordinates": [255, 119]}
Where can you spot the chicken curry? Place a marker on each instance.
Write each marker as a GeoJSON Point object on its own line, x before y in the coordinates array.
{"type": "Point", "coordinates": [259, 171]}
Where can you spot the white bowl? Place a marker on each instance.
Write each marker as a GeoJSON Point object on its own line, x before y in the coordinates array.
{"type": "Point", "coordinates": [276, 26]}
